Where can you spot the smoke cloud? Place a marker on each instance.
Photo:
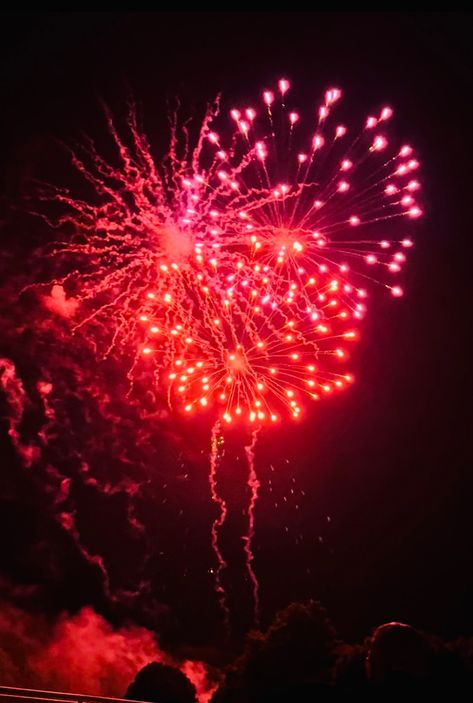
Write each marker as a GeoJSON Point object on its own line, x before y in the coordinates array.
{"type": "Point", "coordinates": [82, 653]}
{"type": "Point", "coordinates": [59, 304]}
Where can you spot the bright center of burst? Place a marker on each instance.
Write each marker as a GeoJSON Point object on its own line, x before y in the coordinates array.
{"type": "Point", "coordinates": [288, 240]}
{"type": "Point", "coordinates": [177, 243]}
{"type": "Point", "coordinates": [237, 362]}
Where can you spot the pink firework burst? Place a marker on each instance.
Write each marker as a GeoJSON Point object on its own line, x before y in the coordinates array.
{"type": "Point", "coordinates": [235, 269]}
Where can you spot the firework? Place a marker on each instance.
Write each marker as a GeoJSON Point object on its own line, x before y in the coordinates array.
{"type": "Point", "coordinates": [232, 273]}
{"type": "Point", "coordinates": [236, 269]}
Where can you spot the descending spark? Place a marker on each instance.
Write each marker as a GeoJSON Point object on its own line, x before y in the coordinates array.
{"type": "Point", "coordinates": [215, 454]}
{"type": "Point", "coordinates": [253, 484]}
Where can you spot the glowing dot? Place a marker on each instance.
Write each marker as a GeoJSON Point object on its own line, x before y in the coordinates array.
{"type": "Point", "coordinates": [284, 86]}
{"type": "Point", "coordinates": [386, 113]}
{"type": "Point", "coordinates": [379, 143]}
{"type": "Point", "coordinates": [332, 95]}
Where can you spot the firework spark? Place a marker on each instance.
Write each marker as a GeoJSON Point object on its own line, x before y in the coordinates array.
{"type": "Point", "coordinates": [216, 444]}
{"type": "Point", "coordinates": [253, 485]}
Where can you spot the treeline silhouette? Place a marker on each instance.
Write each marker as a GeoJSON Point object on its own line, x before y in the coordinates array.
{"type": "Point", "coordinates": [300, 658]}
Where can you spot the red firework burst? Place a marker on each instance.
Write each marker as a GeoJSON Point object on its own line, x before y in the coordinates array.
{"type": "Point", "coordinates": [236, 267]}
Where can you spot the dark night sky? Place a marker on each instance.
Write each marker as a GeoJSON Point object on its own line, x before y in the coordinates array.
{"type": "Point", "coordinates": [387, 462]}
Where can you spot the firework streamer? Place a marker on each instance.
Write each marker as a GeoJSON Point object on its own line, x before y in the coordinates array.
{"type": "Point", "coordinates": [215, 454]}
{"type": "Point", "coordinates": [253, 484]}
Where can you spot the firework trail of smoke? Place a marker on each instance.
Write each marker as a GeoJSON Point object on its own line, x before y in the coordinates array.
{"type": "Point", "coordinates": [253, 484]}
{"type": "Point", "coordinates": [18, 402]}
{"type": "Point", "coordinates": [216, 443]}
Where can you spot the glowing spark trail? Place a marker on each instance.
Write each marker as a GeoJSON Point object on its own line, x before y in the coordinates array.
{"type": "Point", "coordinates": [216, 444]}
{"type": "Point", "coordinates": [253, 485]}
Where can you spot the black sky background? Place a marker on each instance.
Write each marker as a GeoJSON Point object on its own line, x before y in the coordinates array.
{"type": "Point", "coordinates": [385, 468]}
